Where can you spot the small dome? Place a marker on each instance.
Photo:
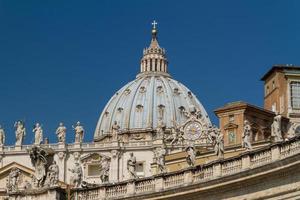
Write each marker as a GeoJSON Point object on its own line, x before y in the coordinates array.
{"type": "Point", "coordinates": [153, 95]}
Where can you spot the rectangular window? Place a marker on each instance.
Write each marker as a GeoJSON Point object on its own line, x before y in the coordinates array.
{"type": "Point", "coordinates": [93, 170]}
{"type": "Point", "coordinates": [231, 118]}
{"type": "Point", "coordinates": [295, 94]}
{"type": "Point", "coordinates": [140, 169]}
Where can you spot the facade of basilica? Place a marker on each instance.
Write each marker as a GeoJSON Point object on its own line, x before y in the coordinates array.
{"type": "Point", "coordinates": [154, 140]}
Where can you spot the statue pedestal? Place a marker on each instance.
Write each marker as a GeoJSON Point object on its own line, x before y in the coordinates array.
{"type": "Point", "coordinates": [158, 142]}
{"type": "Point", "coordinates": [61, 145]}
{"type": "Point", "coordinates": [77, 145]}
{"type": "Point", "coordinates": [18, 148]}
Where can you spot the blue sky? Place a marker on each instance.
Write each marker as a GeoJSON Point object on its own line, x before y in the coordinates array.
{"type": "Point", "coordinates": [63, 60]}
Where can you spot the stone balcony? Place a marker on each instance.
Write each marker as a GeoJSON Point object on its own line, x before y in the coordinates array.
{"type": "Point", "coordinates": [244, 167]}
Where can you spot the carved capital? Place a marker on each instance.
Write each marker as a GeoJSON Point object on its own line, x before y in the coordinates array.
{"type": "Point", "coordinates": [61, 155]}
{"type": "Point", "coordinates": [115, 154]}
{"type": "Point", "coordinates": [76, 155]}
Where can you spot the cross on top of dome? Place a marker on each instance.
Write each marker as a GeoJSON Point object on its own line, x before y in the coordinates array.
{"type": "Point", "coordinates": [154, 58]}
{"type": "Point", "coordinates": [154, 23]}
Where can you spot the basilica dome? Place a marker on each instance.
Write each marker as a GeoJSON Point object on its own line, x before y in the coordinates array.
{"type": "Point", "coordinates": [153, 95]}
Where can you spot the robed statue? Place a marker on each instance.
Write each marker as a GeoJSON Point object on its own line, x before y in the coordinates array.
{"type": "Point", "coordinates": [20, 132]}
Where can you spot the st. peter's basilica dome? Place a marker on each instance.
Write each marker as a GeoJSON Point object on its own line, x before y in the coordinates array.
{"type": "Point", "coordinates": [153, 95]}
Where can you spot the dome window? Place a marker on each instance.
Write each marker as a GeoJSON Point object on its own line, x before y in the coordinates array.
{"type": "Point", "coordinates": [176, 91]}
{"type": "Point", "coordinates": [127, 91]}
{"type": "Point", "coordinates": [159, 89]}
{"type": "Point", "coordinates": [142, 89]}
{"type": "Point", "coordinates": [120, 109]}
{"type": "Point", "coordinates": [106, 113]}
{"type": "Point", "coordinates": [190, 94]}
{"type": "Point", "coordinates": [182, 109]}
{"type": "Point", "coordinates": [139, 108]}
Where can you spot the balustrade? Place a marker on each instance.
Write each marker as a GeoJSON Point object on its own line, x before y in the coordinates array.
{"type": "Point", "coordinates": [174, 180]}
{"type": "Point", "coordinates": [145, 186]}
{"type": "Point", "coordinates": [232, 166]}
{"type": "Point", "coordinates": [116, 191]}
{"type": "Point", "coordinates": [261, 158]}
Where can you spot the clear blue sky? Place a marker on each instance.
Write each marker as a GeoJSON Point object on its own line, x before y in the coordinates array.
{"type": "Point", "coordinates": [63, 60]}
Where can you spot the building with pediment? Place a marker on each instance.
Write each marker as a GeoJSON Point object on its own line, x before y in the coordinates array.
{"type": "Point", "coordinates": [154, 140]}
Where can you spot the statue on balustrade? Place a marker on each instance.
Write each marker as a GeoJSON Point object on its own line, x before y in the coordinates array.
{"type": "Point", "coordinates": [52, 175]}
{"type": "Point", "coordinates": [104, 169]}
{"type": "Point", "coordinates": [2, 136]}
{"type": "Point", "coordinates": [79, 132]}
{"type": "Point", "coordinates": [76, 177]}
{"type": "Point", "coordinates": [131, 166]}
{"type": "Point", "coordinates": [160, 130]}
{"type": "Point", "coordinates": [219, 144]}
{"type": "Point", "coordinates": [20, 132]}
{"type": "Point", "coordinates": [246, 138]}
{"type": "Point", "coordinates": [61, 133]}
{"type": "Point", "coordinates": [276, 131]}
{"type": "Point", "coordinates": [160, 159]}
{"type": "Point", "coordinates": [13, 180]}
{"type": "Point", "coordinates": [115, 131]}
{"type": "Point", "coordinates": [38, 134]}
{"type": "Point", "coordinates": [191, 156]}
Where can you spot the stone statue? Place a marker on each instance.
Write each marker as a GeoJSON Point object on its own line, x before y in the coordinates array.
{"type": "Point", "coordinates": [131, 166]}
{"type": "Point", "coordinates": [77, 175]}
{"type": "Point", "coordinates": [115, 130]}
{"type": "Point", "coordinates": [160, 129]}
{"type": "Point", "coordinates": [2, 136]}
{"type": "Point", "coordinates": [104, 169]}
{"type": "Point", "coordinates": [79, 132]}
{"type": "Point", "coordinates": [219, 145]}
{"type": "Point", "coordinates": [61, 133]}
{"type": "Point", "coordinates": [38, 134]}
{"type": "Point", "coordinates": [13, 179]}
{"type": "Point", "coordinates": [247, 133]}
{"type": "Point", "coordinates": [176, 136]}
{"type": "Point", "coordinates": [160, 159]}
{"type": "Point", "coordinates": [53, 173]}
{"type": "Point", "coordinates": [20, 132]}
{"type": "Point", "coordinates": [212, 133]}
{"type": "Point", "coordinates": [276, 132]}
{"type": "Point", "coordinates": [191, 156]}
{"type": "Point", "coordinates": [193, 113]}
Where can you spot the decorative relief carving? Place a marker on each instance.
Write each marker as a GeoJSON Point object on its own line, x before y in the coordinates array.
{"type": "Point", "coordinates": [12, 183]}
{"type": "Point", "coordinates": [40, 158]}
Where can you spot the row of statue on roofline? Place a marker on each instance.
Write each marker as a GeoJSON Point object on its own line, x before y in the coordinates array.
{"type": "Point", "coordinates": [48, 174]}
{"type": "Point", "coordinates": [20, 132]}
